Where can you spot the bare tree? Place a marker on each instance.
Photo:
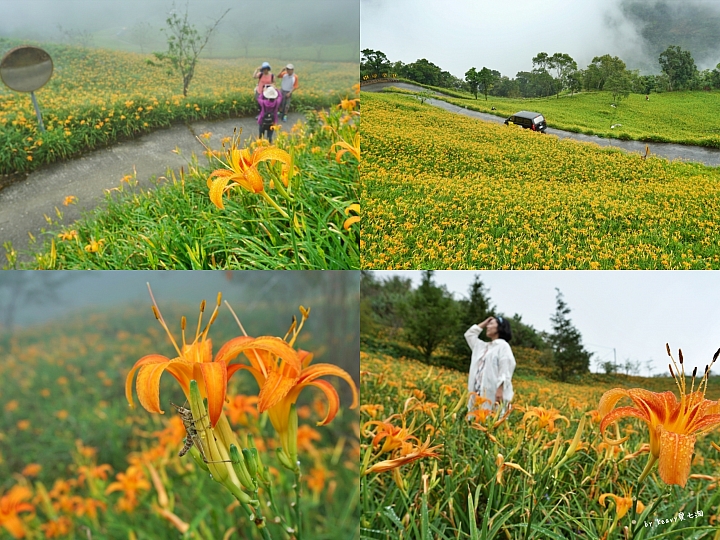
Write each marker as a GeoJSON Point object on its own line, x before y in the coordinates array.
{"type": "Point", "coordinates": [185, 44]}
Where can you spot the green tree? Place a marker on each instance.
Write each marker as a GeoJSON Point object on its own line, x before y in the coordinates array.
{"type": "Point", "coordinates": [619, 84]}
{"type": "Point", "coordinates": [524, 335]}
{"type": "Point", "coordinates": [601, 69]}
{"type": "Point", "coordinates": [564, 65]}
{"type": "Point", "coordinates": [425, 72]}
{"type": "Point", "coordinates": [373, 62]}
{"type": "Point", "coordinates": [678, 65]}
{"type": "Point", "coordinates": [487, 78]}
{"type": "Point", "coordinates": [472, 78]}
{"type": "Point", "coordinates": [185, 44]}
{"type": "Point", "coordinates": [429, 316]}
{"type": "Point", "coordinates": [569, 356]}
{"type": "Point", "coordinates": [387, 299]}
{"type": "Point", "coordinates": [471, 310]}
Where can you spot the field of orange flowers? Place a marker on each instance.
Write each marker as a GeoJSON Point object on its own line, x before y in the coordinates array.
{"type": "Point", "coordinates": [544, 470]}
{"type": "Point", "coordinates": [448, 192]}
{"type": "Point", "coordinates": [97, 96]}
{"type": "Point", "coordinates": [76, 462]}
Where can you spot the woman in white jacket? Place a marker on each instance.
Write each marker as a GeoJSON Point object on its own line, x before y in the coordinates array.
{"type": "Point", "coordinates": [492, 364]}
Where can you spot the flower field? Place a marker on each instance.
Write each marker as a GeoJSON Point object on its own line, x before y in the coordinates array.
{"type": "Point", "coordinates": [673, 117]}
{"type": "Point", "coordinates": [96, 97]}
{"type": "Point", "coordinates": [445, 192]}
{"type": "Point", "coordinates": [542, 471]}
{"type": "Point", "coordinates": [291, 205]}
{"type": "Point", "coordinates": [77, 462]}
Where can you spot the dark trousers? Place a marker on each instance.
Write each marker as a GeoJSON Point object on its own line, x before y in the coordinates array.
{"type": "Point", "coordinates": [268, 131]}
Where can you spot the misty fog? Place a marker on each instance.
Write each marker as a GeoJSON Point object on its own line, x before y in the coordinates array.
{"type": "Point", "coordinates": [264, 300]}
{"type": "Point", "coordinates": [136, 25]}
{"type": "Point", "coordinates": [506, 35]}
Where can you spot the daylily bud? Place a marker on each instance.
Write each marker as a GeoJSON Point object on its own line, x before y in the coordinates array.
{"type": "Point", "coordinates": [282, 456]}
{"type": "Point", "coordinates": [197, 458]}
{"type": "Point", "coordinates": [240, 468]}
{"type": "Point", "coordinates": [250, 462]}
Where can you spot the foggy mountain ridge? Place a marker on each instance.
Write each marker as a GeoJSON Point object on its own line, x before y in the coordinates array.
{"type": "Point", "coordinates": [694, 25]}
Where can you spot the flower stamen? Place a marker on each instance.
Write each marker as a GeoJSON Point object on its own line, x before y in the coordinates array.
{"type": "Point", "coordinates": [159, 317]}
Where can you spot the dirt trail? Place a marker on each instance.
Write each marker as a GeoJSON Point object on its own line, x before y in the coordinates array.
{"type": "Point", "coordinates": [24, 204]}
{"type": "Point", "coordinates": [699, 154]}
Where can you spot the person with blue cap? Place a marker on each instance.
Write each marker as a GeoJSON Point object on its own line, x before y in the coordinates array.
{"type": "Point", "coordinates": [265, 78]}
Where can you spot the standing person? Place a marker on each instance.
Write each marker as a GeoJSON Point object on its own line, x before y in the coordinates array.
{"type": "Point", "coordinates": [264, 76]}
{"type": "Point", "coordinates": [492, 364]}
{"type": "Point", "coordinates": [270, 102]}
{"type": "Point", "coordinates": [288, 84]}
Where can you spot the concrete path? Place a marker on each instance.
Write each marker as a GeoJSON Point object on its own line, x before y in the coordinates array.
{"type": "Point", "coordinates": [24, 204]}
{"type": "Point", "coordinates": [699, 154]}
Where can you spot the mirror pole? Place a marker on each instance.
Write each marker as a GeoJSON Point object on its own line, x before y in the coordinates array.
{"type": "Point", "coordinates": [37, 111]}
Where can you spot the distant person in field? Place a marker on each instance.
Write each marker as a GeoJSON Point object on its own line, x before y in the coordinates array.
{"type": "Point", "coordinates": [492, 364]}
{"type": "Point", "coordinates": [288, 84]}
{"type": "Point", "coordinates": [264, 76]}
{"type": "Point", "coordinates": [269, 101]}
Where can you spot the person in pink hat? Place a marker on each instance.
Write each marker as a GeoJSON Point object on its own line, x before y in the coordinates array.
{"type": "Point", "coordinates": [269, 101]}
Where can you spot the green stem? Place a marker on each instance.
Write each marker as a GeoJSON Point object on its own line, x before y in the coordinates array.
{"type": "Point", "coordinates": [298, 514]}
{"type": "Point", "coordinates": [272, 203]}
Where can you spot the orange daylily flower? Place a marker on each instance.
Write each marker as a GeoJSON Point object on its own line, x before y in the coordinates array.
{"type": "Point", "coordinates": [240, 168]}
{"type": "Point", "coordinates": [353, 148]}
{"type": "Point", "coordinates": [546, 417]}
{"type": "Point", "coordinates": [409, 454]}
{"type": "Point", "coordinates": [622, 504]}
{"type": "Point", "coordinates": [355, 207]}
{"type": "Point", "coordinates": [673, 424]}
{"type": "Point", "coordinates": [395, 437]}
{"type": "Point", "coordinates": [282, 373]}
{"type": "Point", "coordinates": [11, 504]}
{"type": "Point", "coordinates": [130, 482]}
{"type": "Point", "coordinates": [195, 362]}
{"type": "Point", "coordinates": [502, 465]}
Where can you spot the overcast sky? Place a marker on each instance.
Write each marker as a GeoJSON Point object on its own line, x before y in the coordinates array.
{"type": "Point", "coordinates": [506, 34]}
{"type": "Point", "coordinates": [635, 312]}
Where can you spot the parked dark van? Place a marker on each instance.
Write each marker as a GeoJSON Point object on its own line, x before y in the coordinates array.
{"type": "Point", "coordinates": [528, 120]}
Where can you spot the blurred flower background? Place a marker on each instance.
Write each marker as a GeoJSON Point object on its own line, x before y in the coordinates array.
{"type": "Point", "coordinates": [74, 458]}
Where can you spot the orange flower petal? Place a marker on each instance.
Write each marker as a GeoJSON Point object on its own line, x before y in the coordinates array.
{"type": "Point", "coordinates": [319, 370]}
{"type": "Point", "coordinates": [215, 376]}
{"type": "Point", "coordinates": [217, 188]}
{"type": "Point", "coordinates": [617, 414]}
{"type": "Point", "coordinates": [148, 386]}
{"type": "Point", "coordinates": [259, 377]}
{"type": "Point", "coordinates": [145, 360]}
{"type": "Point", "coordinates": [271, 344]}
{"type": "Point", "coordinates": [332, 398]}
{"type": "Point", "coordinates": [276, 387]}
{"type": "Point", "coordinates": [675, 456]}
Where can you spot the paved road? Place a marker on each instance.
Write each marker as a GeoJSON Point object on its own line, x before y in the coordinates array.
{"type": "Point", "coordinates": [24, 204]}
{"type": "Point", "coordinates": [700, 154]}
